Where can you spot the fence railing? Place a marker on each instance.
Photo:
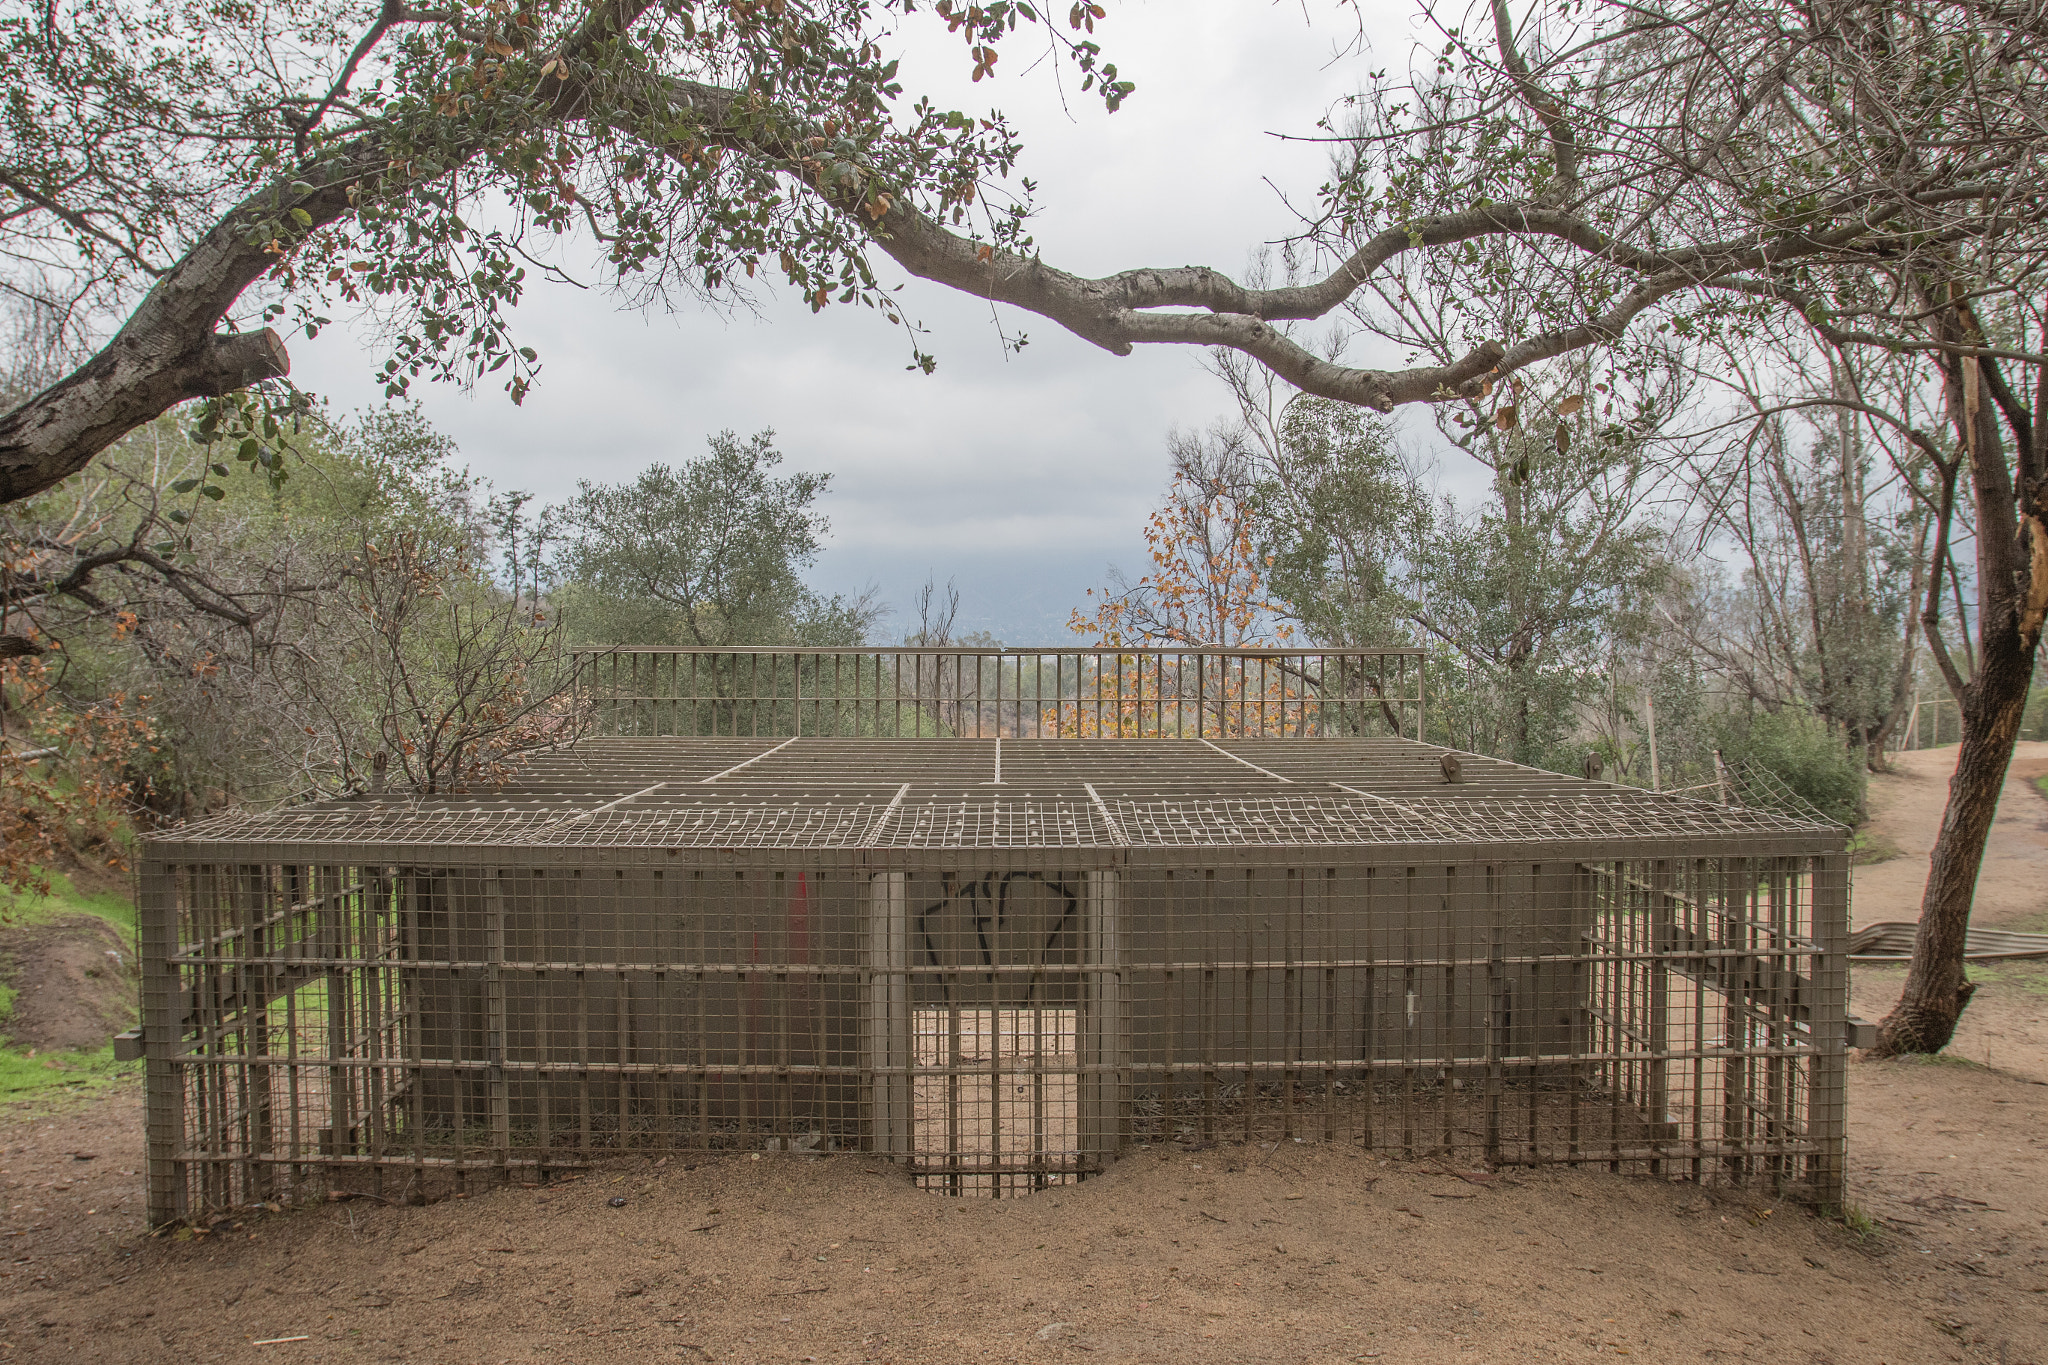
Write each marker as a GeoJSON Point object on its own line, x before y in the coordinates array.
{"type": "Point", "coordinates": [927, 692]}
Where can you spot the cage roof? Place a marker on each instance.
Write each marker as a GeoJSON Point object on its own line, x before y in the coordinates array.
{"type": "Point", "coordinates": [853, 794]}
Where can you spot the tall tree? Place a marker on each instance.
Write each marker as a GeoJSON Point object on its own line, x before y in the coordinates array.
{"type": "Point", "coordinates": [1820, 502]}
{"type": "Point", "coordinates": [190, 175]}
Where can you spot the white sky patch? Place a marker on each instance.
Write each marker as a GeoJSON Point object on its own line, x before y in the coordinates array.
{"type": "Point", "coordinates": [1021, 475]}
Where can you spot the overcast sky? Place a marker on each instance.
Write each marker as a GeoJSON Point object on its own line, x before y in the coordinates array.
{"type": "Point", "coordinates": [1022, 476]}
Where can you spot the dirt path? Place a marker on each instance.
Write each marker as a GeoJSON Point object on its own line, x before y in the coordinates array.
{"type": "Point", "coordinates": [2006, 1025]}
{"type": "Point", "coordinates": [1906, 806]}
{"type": "Point", "coordinates": [1233, 1254]}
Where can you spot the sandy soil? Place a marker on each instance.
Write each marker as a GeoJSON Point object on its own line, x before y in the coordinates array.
{"type": "Point", "coordinates": [1906, 805]}
{"type": "Point", "coordinates": [1238, 1254]}
{"type": "Point", "coordinates": [74, 983]}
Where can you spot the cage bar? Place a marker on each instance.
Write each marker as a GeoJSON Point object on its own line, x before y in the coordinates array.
{"type": "Point", "coordinates": [966, 693]}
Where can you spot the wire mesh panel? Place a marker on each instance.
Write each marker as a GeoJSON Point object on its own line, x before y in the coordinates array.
{"type": "Point", "coordinates": [931, 692]}
{"type": "Point", "coordinates": [407, 1021]}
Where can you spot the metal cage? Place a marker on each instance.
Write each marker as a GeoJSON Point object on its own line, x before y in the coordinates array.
{"type": "Point", "coordinates": [1000, 962]}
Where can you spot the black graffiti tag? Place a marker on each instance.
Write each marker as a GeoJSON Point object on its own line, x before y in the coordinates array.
{"type": "Point", "coordinates": [998, 919]}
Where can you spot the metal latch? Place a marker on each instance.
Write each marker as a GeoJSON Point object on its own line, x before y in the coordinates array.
{"type": "Point", "coordinates": [128, 1046]}
{"type": "Point", "coordinates": [1862, 1033]}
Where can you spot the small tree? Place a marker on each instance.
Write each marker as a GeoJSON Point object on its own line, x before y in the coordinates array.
{"type": "Point", "coordinates": [1206, 589]}
{"type": "Point", "coordinates": [67, 774]}
{"type": "Point", "coordinates": [454, 682]}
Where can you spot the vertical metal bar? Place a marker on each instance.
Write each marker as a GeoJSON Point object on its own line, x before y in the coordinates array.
{"type": "Point", "coordinates": [370, 924]}
{"type": "Point", "coordinates": [1827, 1119]}
{"type": "Point", "coordinates": [1421, 695]}
{"type": "Point", "coordinates": [1579, 998]}
{"type": "Point", "coordinates": [580, 967]}
{"type": "Point", "coordinates": [334, 918]}
{"type": "Point", "coordinates": [1211, 1008]}
{"type": "Point", "coordinates": [1326, 910]}
{"type": "Point", "coordinates": [1657, 1102]}
{"type": "Point", "coordinates": [1739, 881]}
{"type": "Point", "coordinates": [1781, 1032]}
{"type": "Point", "coordinates": [1374, 913]}
{"type": "Point", "coordinates": [1292, 912]}
{"type": "Point", "coordinates": [1496, 1005]}
{"type": "Point", "coordinates": [411, 984]}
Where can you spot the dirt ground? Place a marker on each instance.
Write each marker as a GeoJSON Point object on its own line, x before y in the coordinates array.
{"type": "Point", "coordinates": [1237, 1254]}
{"type": "Point", "coordinates": [74, 983]}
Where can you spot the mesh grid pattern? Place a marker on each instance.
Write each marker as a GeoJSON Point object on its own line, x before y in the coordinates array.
{"type": "Point", "coordinates": [399, 1029]}
{"type": "Point", "coordinates": [820, 794]}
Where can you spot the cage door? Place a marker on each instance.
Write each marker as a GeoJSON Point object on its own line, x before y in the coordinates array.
{"type": "Point", "coordinates": [994, 1041]}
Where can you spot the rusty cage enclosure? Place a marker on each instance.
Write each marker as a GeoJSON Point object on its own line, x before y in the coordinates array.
{"type": "Point", "coordinates": [998, 960]}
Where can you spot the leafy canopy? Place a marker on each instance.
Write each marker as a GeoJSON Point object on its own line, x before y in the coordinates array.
{"type": "Point", "coordinates": [711, 552]}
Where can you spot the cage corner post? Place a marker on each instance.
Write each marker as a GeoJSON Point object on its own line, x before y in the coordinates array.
{"type": "Point", "coordinates": [888, 1016]}
{"type": "Point", "coordinates": [1105, 1059]}
{"type": "Point", "coordinates": [162, 1032]}
{"type": "Point", "coordinates": [1828, 1120]}
{"type": "Point", "coordinates": [497, 1026]}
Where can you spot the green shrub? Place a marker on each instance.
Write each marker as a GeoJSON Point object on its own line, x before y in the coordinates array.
{"type": "Point", "coordinates": [1801, 752]}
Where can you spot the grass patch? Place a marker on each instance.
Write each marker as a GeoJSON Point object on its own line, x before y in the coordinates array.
{"type": "Point", "coordinates": [66, 899]}
{"type": "Point", "coordinates": [2031, 977]}
{"type": "Point", "coordinates": [40, 1077]}
{"type": "Point", "coordinates": [1879, 972]}
{"type": "Point", "coordinates": [1867, 846]}
{"type": "Point", "coordinates": [1939, 1059]}
{"type": "Point", "coordinates": [1856, 1219]}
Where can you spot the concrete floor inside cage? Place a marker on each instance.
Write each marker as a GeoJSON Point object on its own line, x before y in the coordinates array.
{"type": "Point", "coordinates": [999, 963]}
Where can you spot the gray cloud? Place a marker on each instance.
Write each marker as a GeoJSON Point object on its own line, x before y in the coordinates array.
{"type": "Point", "coordinates": [1021, 475]}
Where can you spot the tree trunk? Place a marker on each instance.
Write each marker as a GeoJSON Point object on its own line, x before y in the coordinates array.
{"type": "Point", "coordinates": [1936, 992]}
{"type": "Point", "coordinates": [2012, 596]}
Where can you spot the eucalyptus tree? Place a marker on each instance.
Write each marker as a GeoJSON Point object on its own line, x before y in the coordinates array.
{"type": "Point", "coordinates": [1826, 510]}
{"type": "Point", "coordinates": [1867, 177]}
